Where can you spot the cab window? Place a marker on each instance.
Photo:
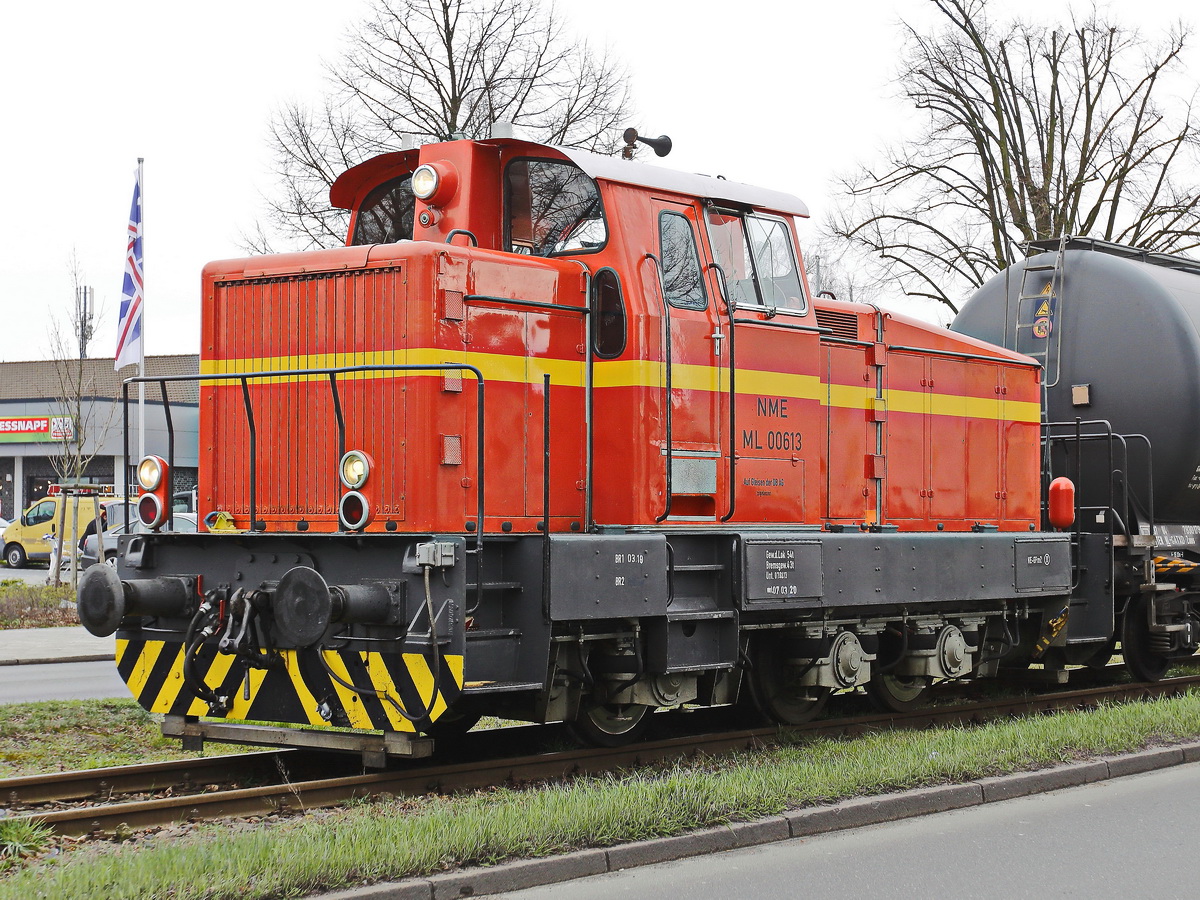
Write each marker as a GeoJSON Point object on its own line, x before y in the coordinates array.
{"type": "Point", "coordinates": [386, 216]}
{"type": "Point", "coordinates": [42, 512]}
{"type": "Point", "coordinates": [608, 315]}
{"type": "Point", "coordinates": [551, 208]}
{"type": "Point", "coordinates": [683, 284]}
{"type": "Point", "coordinates": [756, 254]}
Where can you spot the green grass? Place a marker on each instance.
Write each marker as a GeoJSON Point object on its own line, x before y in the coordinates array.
{"type": "Point", "coordinates": [20, 839]}
{"type": "Point", "coordinates": [390, 839]}
{"type": "Point", "coordinates": [80, 734]}
{"type": "Point", "coordinates": [35, 605]}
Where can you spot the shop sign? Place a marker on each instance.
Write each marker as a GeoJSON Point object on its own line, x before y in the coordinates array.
{"type": "Point", "coordinates": [36, 429]}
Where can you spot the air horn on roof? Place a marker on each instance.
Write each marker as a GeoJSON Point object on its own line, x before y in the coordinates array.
{"type": "Point", "coordinates": [661, 145]}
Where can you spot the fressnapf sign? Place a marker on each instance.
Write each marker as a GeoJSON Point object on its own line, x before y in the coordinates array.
{"type": "Point", "coordinates": [36, 429]}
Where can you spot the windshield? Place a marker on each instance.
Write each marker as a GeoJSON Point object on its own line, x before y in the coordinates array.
{"type": "Point", "coordinates": [386, 216]}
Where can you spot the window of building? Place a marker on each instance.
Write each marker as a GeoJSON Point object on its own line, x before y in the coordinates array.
{"type": "Point", "coordinates": [552, 208]}
{"type": "Point", "coordinates": [386, 216]}
{"type": "Point", "coordinates": [683, 281]}
{"type": "Point", "coordinates": [608, 315]}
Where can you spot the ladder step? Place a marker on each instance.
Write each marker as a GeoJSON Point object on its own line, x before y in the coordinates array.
{"type": "Point", "coordinates": [496, 586]}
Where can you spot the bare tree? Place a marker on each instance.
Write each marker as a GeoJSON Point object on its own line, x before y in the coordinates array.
{"type": "Point", "coordinates": [1029, 133]}
{"type": "Point", "coordinates": [430, 70]}
{"type": "Point", "coordinates": [80, 410]}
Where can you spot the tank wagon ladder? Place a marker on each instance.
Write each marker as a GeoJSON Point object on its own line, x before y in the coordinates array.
{"type": "Point", "coordinates": [1035, 334]}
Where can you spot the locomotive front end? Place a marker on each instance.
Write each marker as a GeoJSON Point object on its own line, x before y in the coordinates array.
{"type": "Point", "coordinates": [311, 596]}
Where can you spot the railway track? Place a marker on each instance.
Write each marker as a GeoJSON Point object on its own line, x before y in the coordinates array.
{"type": "Point", "coordinates": [103, 801]}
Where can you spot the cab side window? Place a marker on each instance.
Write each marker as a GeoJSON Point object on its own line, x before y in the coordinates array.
{"type": "Point", "coordinates": [608, 315]}
{"type": "Point", "coordinates": [775, 263]}
{"type": "Point", "coordinates": [758, 260]}
{"type": "Point", "coordinates": [683, 283]}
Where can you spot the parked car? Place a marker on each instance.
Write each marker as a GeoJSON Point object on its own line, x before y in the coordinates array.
{"type": "Point", "coordinates": [30, 536]}
{"type": "Point", "coordinates": [89, 555]}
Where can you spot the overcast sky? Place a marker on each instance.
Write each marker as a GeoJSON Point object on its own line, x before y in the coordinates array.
{"type": "Point", "coordinates": [781, 93]}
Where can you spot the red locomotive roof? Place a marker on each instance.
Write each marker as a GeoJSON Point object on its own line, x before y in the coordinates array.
{"type": "Point", "coordinates": [602, 168]}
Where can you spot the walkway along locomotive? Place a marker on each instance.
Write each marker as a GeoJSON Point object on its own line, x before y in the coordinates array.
{"type": "Point", "coordinates": [563, 437]}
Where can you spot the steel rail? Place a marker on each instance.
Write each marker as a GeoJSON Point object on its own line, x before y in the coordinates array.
{"type": "Point", "coordinates": [300, 795]}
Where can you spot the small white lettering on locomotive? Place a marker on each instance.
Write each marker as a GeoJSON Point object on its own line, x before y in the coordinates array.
{"type": "Point", "coordinates": [1042, 560]}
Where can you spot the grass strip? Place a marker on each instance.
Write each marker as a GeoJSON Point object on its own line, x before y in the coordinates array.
{"type": "Point", "coordinates": [392, 838]}
{"type": "Point", "coordinates": [63, 735]}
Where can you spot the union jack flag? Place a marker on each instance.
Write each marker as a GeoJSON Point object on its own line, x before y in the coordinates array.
{"type": "Point", "coordinates": [129, 325]}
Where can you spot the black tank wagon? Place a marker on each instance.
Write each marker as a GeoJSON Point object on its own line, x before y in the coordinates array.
{"type": "Point", "coordinates": [1117, 330]}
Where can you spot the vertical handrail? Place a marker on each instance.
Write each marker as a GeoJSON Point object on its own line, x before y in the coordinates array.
{"type": "Point", "coordinates": [337, 412]}
{"type": "Point", "coordinates": [732, 391]}
{"type": "Point", "coordinates": [662, 293]}
{"type": "Point", "coordinates": [125, 444]}
{"type": "Point", "coordinates": [546, 495]}
{"type": "Point", "coordinates": [170, 457]}
{"type": "Point", "coordinates": [253, 454]}
{"type": "Point", "coordinates": [479, 480]}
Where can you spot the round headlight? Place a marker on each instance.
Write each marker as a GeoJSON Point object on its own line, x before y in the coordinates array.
{"type": "Point", "coordinates": [354, 469]}
{"type": "Point", "coordinates": [150, 472]}
{"type": "Point", "coordinates": [425, 181]}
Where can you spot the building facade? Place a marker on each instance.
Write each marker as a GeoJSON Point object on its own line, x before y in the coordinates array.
{"type": "Point", "coordinates": [62, 420]}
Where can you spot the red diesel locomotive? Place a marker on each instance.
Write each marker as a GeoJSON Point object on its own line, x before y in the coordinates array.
{"type": "Point", "coordinates": [564, 437]}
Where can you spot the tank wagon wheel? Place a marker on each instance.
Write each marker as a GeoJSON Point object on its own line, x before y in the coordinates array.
{"type": "Point", "coordinates": [609, 725]}
{"type": "Point", "coordinates": [1143, 662]}
{"type": "Point", "coordinates": [775, 684]}
{"type": "Point", "coordinates": [896, 693]}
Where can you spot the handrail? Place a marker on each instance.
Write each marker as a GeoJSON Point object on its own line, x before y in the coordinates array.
{"type": "Point", "coordinates": [662, 293]}
{"type": "Point", "coordinates": [332, 372]}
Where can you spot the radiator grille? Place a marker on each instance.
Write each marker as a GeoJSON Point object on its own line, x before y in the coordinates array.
{"type": "Point", "coordinates": [840, 324]}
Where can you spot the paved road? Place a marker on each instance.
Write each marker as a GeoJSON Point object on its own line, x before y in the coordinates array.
{"type": "Point", "coordinates": [1129, 837]}
{"type": "Point", "coordinates": [61, 681]}
{"type": "Point", "coordinates": [30, 575]}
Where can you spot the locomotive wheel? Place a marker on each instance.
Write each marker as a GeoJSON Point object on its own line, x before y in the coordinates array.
{"type": "Point", "coordinates": [775, 687]}
{"type": "Point", "coordinates": [1144, 664]}
{"type": "Point", "coordinates": [896, 693]}
{"type": "Point", "coordinates": [608, 725]}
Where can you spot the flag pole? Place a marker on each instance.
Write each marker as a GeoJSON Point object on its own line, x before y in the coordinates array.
{"type": "Point", "coordinates": [142, 343]}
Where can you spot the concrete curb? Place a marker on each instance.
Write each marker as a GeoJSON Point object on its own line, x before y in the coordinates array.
{"type": "Point", "coordinates": [97, 657]}
{"type": "Point", "coordinates": [854, 813]}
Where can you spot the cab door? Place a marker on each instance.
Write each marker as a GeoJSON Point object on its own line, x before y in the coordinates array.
{"type": "Point", "coordinates": [693, 367]}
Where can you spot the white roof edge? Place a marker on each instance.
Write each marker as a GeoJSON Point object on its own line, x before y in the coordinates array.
{"type": "Point", "coordinates": [623, 171]}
